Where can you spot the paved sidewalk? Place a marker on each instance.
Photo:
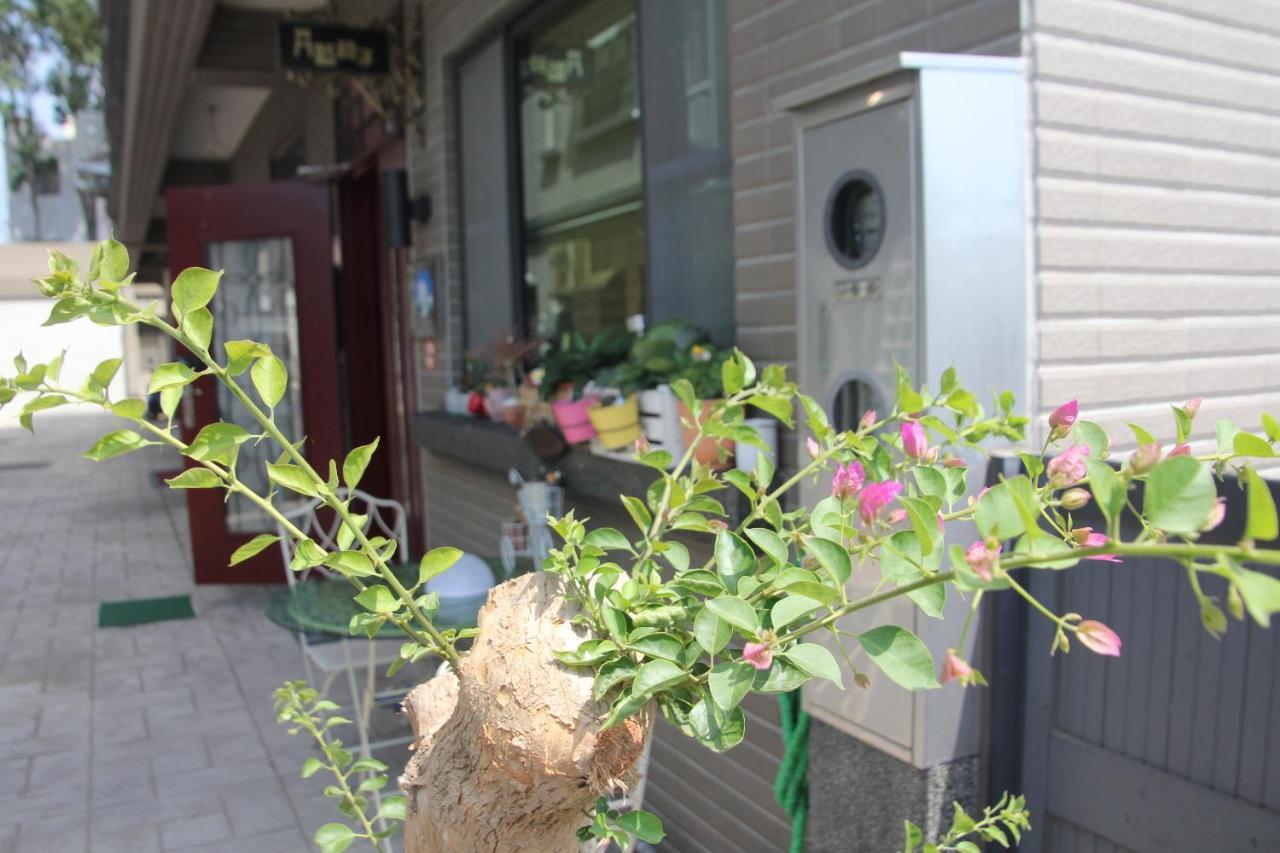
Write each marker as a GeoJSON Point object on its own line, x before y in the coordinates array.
{"type": "Point", "coordinates": [151, 738]}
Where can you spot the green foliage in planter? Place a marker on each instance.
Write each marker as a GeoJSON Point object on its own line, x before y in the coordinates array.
{"type": "Point", "coordinates": [574, 361]}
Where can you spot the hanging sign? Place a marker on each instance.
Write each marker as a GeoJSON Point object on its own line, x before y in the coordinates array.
{"type": "Point", "coordinates": [334, 47]}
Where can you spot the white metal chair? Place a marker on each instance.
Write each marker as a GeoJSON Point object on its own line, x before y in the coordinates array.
{"type": "Point", "coordinates": [383, 517]}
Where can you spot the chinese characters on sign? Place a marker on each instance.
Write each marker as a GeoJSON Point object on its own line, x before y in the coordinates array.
{"type": "Point", "coordinates": [330, 47]}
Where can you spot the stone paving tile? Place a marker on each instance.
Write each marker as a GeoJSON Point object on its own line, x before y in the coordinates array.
{"type": "Point", "coordinates": [149, 739]}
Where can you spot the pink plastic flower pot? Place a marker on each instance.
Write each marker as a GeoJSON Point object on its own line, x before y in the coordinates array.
{"type": "Point", "coordinates": [571, 416]}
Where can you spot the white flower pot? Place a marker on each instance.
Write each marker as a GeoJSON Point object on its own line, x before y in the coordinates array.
{"type": "Point", "coordinates": [661, 420]}
{"type": "Point", "coordinates": [455, 401]}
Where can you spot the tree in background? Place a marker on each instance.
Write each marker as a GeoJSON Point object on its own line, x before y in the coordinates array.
{"type": "Point", "coordinates": [53, 49]}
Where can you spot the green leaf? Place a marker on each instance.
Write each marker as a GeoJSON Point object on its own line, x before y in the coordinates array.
{"type": "Point", "coordinates": [105, 372]}
{"type": "Point", "coordinates": [334, 837]}
{"type": "Point", "coordinates": [270, 379]}
{"type": "Point", "coordinates": [311, 767]}
{"type": "Point", "coordinates": [734, 558]}
{"type": "Point", "coordinates": [253, 547]}
{"type": "Point", "coordinates": [655, 675]}
{"type": "Point", "coordinates": [639, 514]}
{"type": "Point", "coordinates": [1248, 444]}
{"type": "Point", "coordinates": [924, 522]}
{"type": "Point", "coordinates": [436, 561]}
{"type": "Point", "coordinates": [612, 674]}
{"type": "Point", "coordinates": [791, 608]}
{"type": "Point", "coordinates": [677, 555]}
{"type": "Point", "coordinates": [1092, 436]}
{"type": "Point", "coordinates": [769, 542]}
{"type": "Point", "coordinates": [737, 613]}
{"type": "Point", "coordinates": [1141, 435]}
{"type": "Point", "coordinates": [171, 375]}
{"type": "Point", "coordinates": [1261, 594]}
{"type": "Point", "coordinates": [351, 564]}
{"type": "Point", "coordinates": [900, 655]}
{"type": "Point", "coordinates": [378, 599]}
{"type": "Point", "coordinates": [658, 645]}
{"type": "Point", "coordinates": [779, 407]}
{"type": "Point", "coordinates": [169, 400]}
{"type": "Point", "coordinates": [1108, 487]}
{"type": "Point", "coordinates": [241, 354]}
{"type": "Point", "coordinates": [711, 632]}
{"type": "Point", "coordinates": [117, 443]}
{"type": "Point", "coordinates": [729, 682]}
{"type": "Point", "coordinates": [732, 376]}
{"type": "Point", "coordinates": [1179, 495]}
{"type": "Point", "coordinates": [357, 461]}
{"type": "Point", "coordinates": [215, 439]}
{"type": "Point", "coordinates": [131, 408]}
{"type": "Point", "coordinates": [831, 556]}
{"type": "Point", "coordinates": [115, 260]}
{"type": "Point", "coordinates": [608, 539]}
{"type": "Point", "coordinates": [1182, 423]}
{"type": "Point", "coordinates": [932, 482]}
{"type": "Point", "coordinates": [1270, 427]}
{"type": "Point", "coordinates": [194, 288]}
{"type": "Point", "coordinates": [195, 478]}
{"type": "Point", "coordinates": [683, 389]}
{"type": "Point", "coordinates": [198, 326]}
{"type": "Point", "coordinates": [1226, 432]}
{"type": "Point", "coordinates": [293, 478]}
{"type": "Point", "coordinates": [715, 729]}
{"type": "Point", "coordinates": [815, 660]}
{"type": "Point", "coordinates": [1004, 510]}
{"type": "Point", "coordinates": [1262, 524]}
{"type": "Point", "coordinates": [393, 808]}
{"type": "Point", "coordinates": [781, 677]}
{"type": "Point", "coordinates": [642, 825]}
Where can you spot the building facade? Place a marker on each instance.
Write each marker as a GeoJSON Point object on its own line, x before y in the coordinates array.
{"type": "Point", "coordinates": [555, 166]}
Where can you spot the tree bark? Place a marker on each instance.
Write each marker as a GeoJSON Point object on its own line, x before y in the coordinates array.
{"type": "Point", "coordinates": [509, 755]}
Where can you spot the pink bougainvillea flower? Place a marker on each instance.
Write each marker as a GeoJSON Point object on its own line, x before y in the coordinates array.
{"type": "Point", "coordinates": [914, 442]}
{"type": "Point", "coordinates": [848, 480]}
{"type": "Point", "coordinates": [1180, 450]}
{"type": "Point", "coordinates": [1064, 417]}
{"type": "Point", "coordinates": [982, 559]}
{"type": "Point", "coordinates": [955, 667]}
{"type": "Point", "coordinates": [759, 655]}
{"type": "Point", "coordinates": [868, 420]}
{"type": "Point", "coordinates": [1097, 540]}
{"type": "Point", "coordinates": [942, 528]}
{"type": "Point", "coordinates": [1068, 466]}
{"type": "Point", "coordinates": [875, 497]}
{"type": "Point", "coordinates": [1098, 638]}
{"type": "Point", "coordinates": [811, 445]}
{"type": "Point", "coordinates": [1215, 517]}
{"type": "Point", "coordinates": [1192, 406]}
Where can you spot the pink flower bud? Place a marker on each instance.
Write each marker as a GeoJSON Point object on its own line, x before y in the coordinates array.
{"type": "Point", "coordinates": [759, 655]}
{"type": "Point", "coordinates": [642, 445]}
{"type": "Point", "coordinates": [1215, 517]}
{"type": "Point", "coordinates": [950, 461]}
{"type": "Point", "coordinates": [914, 441]}
{"type": "Point", "coordinates": [981, 559]}
{"type": "Point", "coordinates": [811, 444]}
{"type": "Point", "coordinates": [1192, 406]}
{"type": "Point", "coordinates": [1063, 417]}
{"type": "Point", "coordinates": [1098, 638]}
{"type": "Point", "coordinates": [897, 516]}
{"type": "Point", "coordinates": [847, 480]}
{"type": "Point", "coordinates": [862, 680]}
{"type": "Point", "coordinates": [1180, 450]}
{"type": "Point", "coordinates": [931, 455]}
{"type": "Point", "coordinates": [717, 524]}
{"type": "Point", "coordinates": [875, 497]}
{"type": "Point", "coordinates": [1074, 499]}
{"type": "Point", "coordinates": [1144, 458]}
{"type": "Point", "coordinates": [1097, 540]}
{"type": "Point", "coordinates": [955, 667]}
{"type": "Point", "coordinates": [1068, 467]}
{"type": "Point", "coordinates": [868, 419]}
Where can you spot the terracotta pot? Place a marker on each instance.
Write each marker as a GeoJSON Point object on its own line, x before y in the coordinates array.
{"type": "Point", "coordinates": [708, 449]}
{"type": "Point", "coordinates": [513, 413]}
{"type": "Point", "coordinates": [617, 426]}
{"type": "Point", "coordinates": [572, 418]}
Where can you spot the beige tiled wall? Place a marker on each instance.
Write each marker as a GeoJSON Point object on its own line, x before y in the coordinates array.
{"type": "Point", "coordinates": [1157, 195]}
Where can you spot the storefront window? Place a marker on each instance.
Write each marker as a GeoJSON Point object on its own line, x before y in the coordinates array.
{"type": "Point", "coordinates": [581, 166]}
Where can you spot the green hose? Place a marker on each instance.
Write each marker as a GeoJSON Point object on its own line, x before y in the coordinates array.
{"type": "Point", "coordinates": [791, 788]}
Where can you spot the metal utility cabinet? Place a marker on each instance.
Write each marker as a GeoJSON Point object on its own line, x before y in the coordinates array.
{"type": "Point", "coordinates": [912, 232]}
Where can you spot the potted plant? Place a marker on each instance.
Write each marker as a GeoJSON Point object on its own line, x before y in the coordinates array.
{"type": "Point", "coordinates": [703, 370]}
{"type": "Point", "coordinates": [502, 398]}
{"type": "Point", "coordinates": [567, 367]}
{"type": "Point", "coordinates": [616, 420]}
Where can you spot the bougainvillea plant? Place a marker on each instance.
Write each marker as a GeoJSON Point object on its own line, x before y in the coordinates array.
{"type": "Point", "coordinates": [546, 705]}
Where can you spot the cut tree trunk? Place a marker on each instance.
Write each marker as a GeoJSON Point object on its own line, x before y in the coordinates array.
{"type": "Point", "coordinates": [509, 754]}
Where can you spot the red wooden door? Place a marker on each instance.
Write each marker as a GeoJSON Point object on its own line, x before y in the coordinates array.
{"type": "Point", "coordinates": [273, 243]}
